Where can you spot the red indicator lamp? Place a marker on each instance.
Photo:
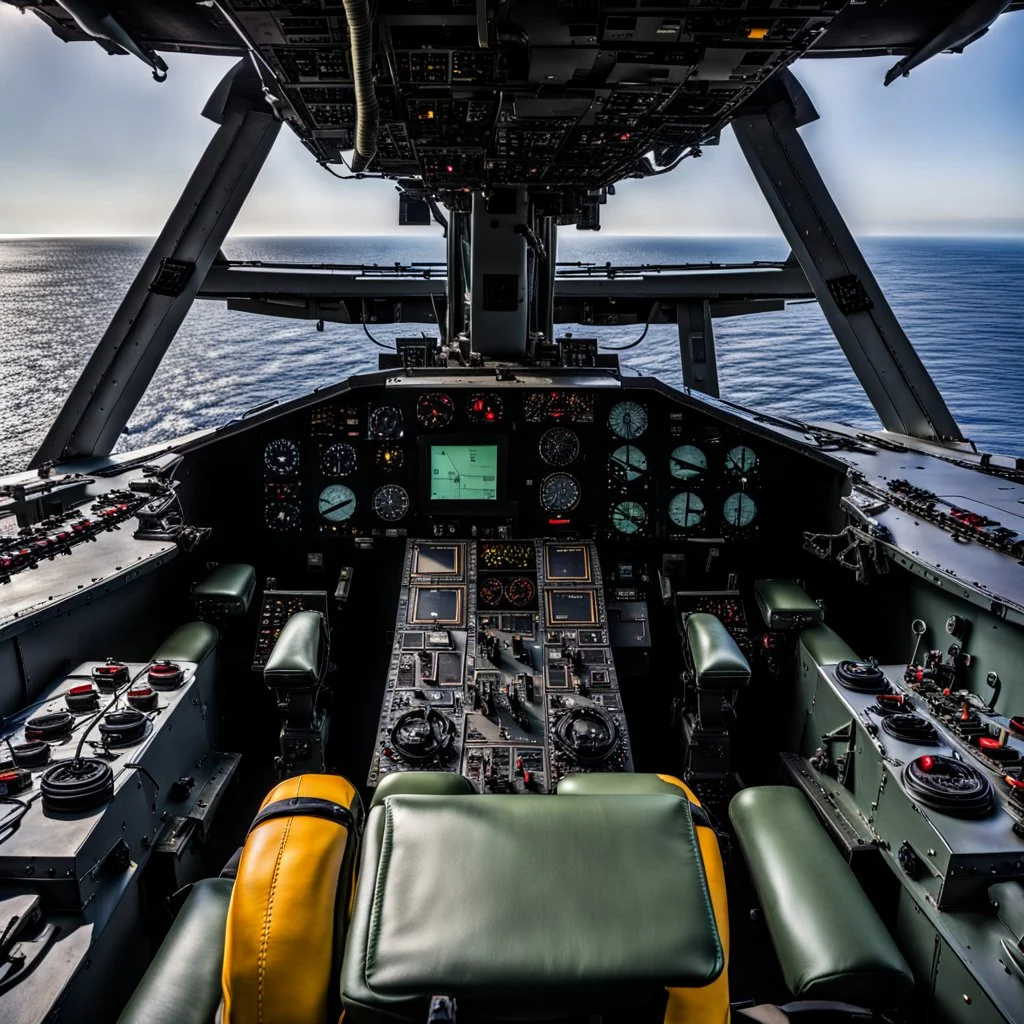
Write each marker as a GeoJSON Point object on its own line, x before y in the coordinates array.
{"type": "Point", "coordinates": [926, 763]}
{"type": "Point", "coordinates": [559, 522]}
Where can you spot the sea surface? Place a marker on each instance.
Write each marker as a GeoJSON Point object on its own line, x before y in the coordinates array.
{"type": "Point", "coordinates": [960, 300]}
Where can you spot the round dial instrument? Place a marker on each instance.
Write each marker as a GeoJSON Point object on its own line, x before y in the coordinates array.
{"type": "Point", "coordinates": [390, 456]}
{"type": "Point", "coordinates": [686, 510]}
{"type": "Point", "coordinates": [336, 503]}
{"type": "Point", "coordinates": [628, 517]}
{"type": "Point", "coordinates": [490, 591]}
{"type": "Point", "coordinates": [560, 492]}
{"type": "Point", "coordinates": [627, 420]}
{"type": "Point", "coordinates": [740, 460]}
{"type": "Point", "coordinates": [386, 421]}
{"type": "Point", "coordinates": [282, 516]}
{"type": "Point", "coordinates": [485, 407]}
{"type": "Point", "coordinates": [281, 457]}
{"type": "Point", "coordinates": [434, 409]}
{"type": "Point", "coordinates": [627, 463]}
{"type": "Point", "coordinates": [559, 446]}
{"type": "Point", "coordinates": [338, 460]}
{"type": "Point", "coordinates": [739, 509]}
{"type": "Point", "coordinates": [519, 591]}
{"type": "Point", "coordinates": [687, 462]}
{"type": "Point", "coordinates": [391, 502]}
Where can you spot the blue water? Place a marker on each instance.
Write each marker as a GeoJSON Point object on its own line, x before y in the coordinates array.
{"type": "Point", "coordinates": [960, 301]}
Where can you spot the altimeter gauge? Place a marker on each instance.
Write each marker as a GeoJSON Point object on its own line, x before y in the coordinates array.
{"type": "Point", "coordinates": [740, 460]}
{"type": "Point", "coordinates": [627, 463]}
{"type": "Point", "coordinates": [739, 510]}
{"type": "Point", "coordinates": [560, 492]}
{"type": "Point", "coordinates": [628, 517]}
{"type": "Point", "coordinates": [687, 462]}
{"type": "Point", "coordinates": [485, 407]}
{"type": "Point", "coordinates": [391, 502]}
{"type": "Point", "coordinates": [686, 510]}
{"type": "Point", "coordinates": [281, 457]}
{"type": "Point", "coordinates": [519, 591]}
{"type": "Point", "coordinates": [434, 409]}
{"type": "Point", "coordinates": [338, 460]}
{"type": "Point", "coordinates": [390, 456]}
{"type": "Point", "coordinates": [282, 516]}
{"type": "Point", "coordinates": [627, 420]}
{"type": "Point", "coordinates": [336, 503]}
{"type": "Point", "coordinates": [559, 446]}
{"type": "Point", "coordinates": [386, 421]}
{"type": "Point", "coordinates": [491, 591]}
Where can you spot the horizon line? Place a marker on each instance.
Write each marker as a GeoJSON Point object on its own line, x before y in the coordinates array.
{"type": "Point", "coordinates": [21, 236]}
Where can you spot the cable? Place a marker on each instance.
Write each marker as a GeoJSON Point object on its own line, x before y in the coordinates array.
{"type": "Point", "coordinates": [379, 344]}
{"type": "Point", "coordinates": [99, 714]}
{"type": "Point", "coordinates": [632, 344]}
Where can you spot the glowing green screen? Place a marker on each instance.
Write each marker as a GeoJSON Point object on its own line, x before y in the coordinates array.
{"type": "Point", "coordinates": [463, 472]}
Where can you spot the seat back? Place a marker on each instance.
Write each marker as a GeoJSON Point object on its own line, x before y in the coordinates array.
{"type": "Point", "coordinates": [529, 906]}
{"type": "Point", "coordinates": [289, 906]}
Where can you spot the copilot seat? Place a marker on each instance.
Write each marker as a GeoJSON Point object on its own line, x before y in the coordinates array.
{"type": "Point", "coordinates": [594, 901]}
{"type": "Point", "coordinates": [609, 894]}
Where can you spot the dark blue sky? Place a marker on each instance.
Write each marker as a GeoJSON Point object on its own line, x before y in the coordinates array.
{"type": "Point", "coordinates": [90, 144]}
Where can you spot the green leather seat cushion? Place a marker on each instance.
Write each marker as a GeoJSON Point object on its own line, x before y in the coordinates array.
{"type": "Point", "coordinates": [193, 641]}
{"type": "Point", "coordinates": [298, 659]}
{"type": "Point", "coordinates": [182, 984]}
{"type": "Point", "coordinates": [527, 905]}
{"type": "Point", "coordinates": [829, 939]}
{"type": "Point", "coordinates": [436, 783]}
{"type": "Point", "coordinates": [717, 662]}
{"type": "Point", "coordinates": [230, 587]}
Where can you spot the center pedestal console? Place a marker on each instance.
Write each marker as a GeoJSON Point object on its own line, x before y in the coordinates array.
{"type": "Point", "coordinates": [502, 667]}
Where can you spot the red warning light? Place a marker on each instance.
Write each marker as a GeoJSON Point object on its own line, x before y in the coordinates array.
{"type": "Point", "coordinates": [926, 763]}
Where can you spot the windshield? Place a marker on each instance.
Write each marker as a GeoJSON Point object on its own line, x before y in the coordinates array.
{"type": "Point", "coordinates": [951, 264]}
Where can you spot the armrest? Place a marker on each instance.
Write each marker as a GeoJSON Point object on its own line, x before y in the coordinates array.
{"type": "Point", "coordinates": [299, 658]}
{"type": "Point", "coordinates": [182, 985]}
{"type": "Point", "coordinates": [718, 664]}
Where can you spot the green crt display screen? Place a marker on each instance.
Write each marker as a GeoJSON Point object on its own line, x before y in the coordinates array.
{"type": "Point", "coordinates": [463, 472]}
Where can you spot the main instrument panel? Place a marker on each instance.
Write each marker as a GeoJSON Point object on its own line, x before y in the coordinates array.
{"type": "Point", "coordinates": [456, 460]}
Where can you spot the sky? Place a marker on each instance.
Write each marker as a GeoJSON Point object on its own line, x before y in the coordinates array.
{"type": "Point", "coordinates": [91, 145]}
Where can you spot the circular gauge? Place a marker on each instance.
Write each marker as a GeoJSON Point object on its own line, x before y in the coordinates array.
{"type": "Point", "coordinates": [485, 408]}
{"type": "Point", "coordinates": [686, 510]}
{"type": "Point", "coordinates": [519, 591]}
{"type": "Point", "coordinates": [282, 516]}
{"type": "Point", "coordinates": [560, 492]}
{"type": "Point", "coordinates": [739, 509]}
{"type": "Point", "coordinates": [390, 456]}
{"type": "Point", "coordinates": [338, 460]}
{"type": "Point", "coordinates": [627, 420]}
{"type": "Point", "coordinates": [336, 503]}
{"type": "Point", "coordinates": [434, 409]}
{"type": "Point", "coordinates": [559, 447]}
{"type": "Point", "coordinates": [281, 457]}
{"type": "Point", "coordinates": [627, 463]}
{"type": "Point", "coordinates": [629, 517]}
{"type": "Point", "coordinates": [391, 502]}
{"type": "Point", "coordinates": [740, 460]}
{"type": "Point", "coordinates": [490, 591]}
{"type": "Point", "coordinates": [386, 421]}
{"type": "Point", "coordinates": [687, 462]}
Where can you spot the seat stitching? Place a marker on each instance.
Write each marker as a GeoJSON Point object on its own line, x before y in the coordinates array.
{"type": "Point", "coordinates": [265, 936]}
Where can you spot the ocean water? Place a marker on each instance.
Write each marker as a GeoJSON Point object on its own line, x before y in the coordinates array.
{"type": "Point", "coordinates": [960, 301]}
